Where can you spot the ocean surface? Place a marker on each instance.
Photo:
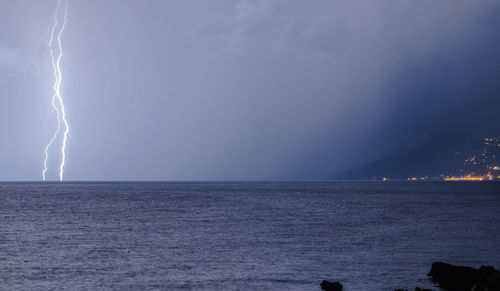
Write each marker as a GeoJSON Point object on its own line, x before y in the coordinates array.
{"type": "Point", "coordinates": [242, 236]}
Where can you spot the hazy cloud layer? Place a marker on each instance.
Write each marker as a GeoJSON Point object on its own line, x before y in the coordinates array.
{"type": "Point", "coordinates": [243, 89]}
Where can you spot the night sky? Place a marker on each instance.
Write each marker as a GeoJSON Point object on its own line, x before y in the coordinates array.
{"type": "Point", "coordinates": [244, 90]}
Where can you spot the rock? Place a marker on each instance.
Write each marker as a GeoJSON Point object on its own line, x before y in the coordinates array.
{"type": "Point", "coordinates": [488, 279]}
{"type": "Point", "coordinates": [329, 286]}
{"type": "Point", "coordinates": [448, 276]}
{"type": "Point", "coordinates": [453, 277]}
{"type": "Point", "coordinates": [416, 289]}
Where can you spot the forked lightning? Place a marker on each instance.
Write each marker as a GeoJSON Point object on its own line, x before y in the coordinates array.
{"type": "Point", "coordinates": [56, 53]}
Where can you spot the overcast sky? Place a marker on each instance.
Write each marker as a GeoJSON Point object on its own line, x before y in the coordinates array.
{"type": "Point", "coordinates": [240, 90]}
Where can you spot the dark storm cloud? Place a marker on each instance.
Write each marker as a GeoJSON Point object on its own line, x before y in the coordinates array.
{"type": "Point", "coordinates": [248, 89]}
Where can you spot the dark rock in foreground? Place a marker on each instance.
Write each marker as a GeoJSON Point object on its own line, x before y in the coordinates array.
{"type": "Point", "coordinates": [450, 277]}
{"type": "Point", "coordinates": [465, 278]}
{"type": "Point", "coordinates": [416, 289]}
{"type": "Point", "coordinates": [488, 279]}
{"type": "Point", "coordinates": [453, 277]}
{"type": "Point", "coordinates": [329, 286]}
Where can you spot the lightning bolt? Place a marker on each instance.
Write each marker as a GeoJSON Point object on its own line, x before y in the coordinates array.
{"type": "Point", "coordinates": [23, 73]}
{"type": "Point", "coordinates": [57, 100]}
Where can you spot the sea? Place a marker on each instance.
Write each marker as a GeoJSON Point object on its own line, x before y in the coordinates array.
{"type": "Point", "coordinates": [242, 236]}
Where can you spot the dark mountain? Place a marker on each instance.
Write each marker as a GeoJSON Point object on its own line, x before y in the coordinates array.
{"type": "Point", "coordinates": [446, 152]}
